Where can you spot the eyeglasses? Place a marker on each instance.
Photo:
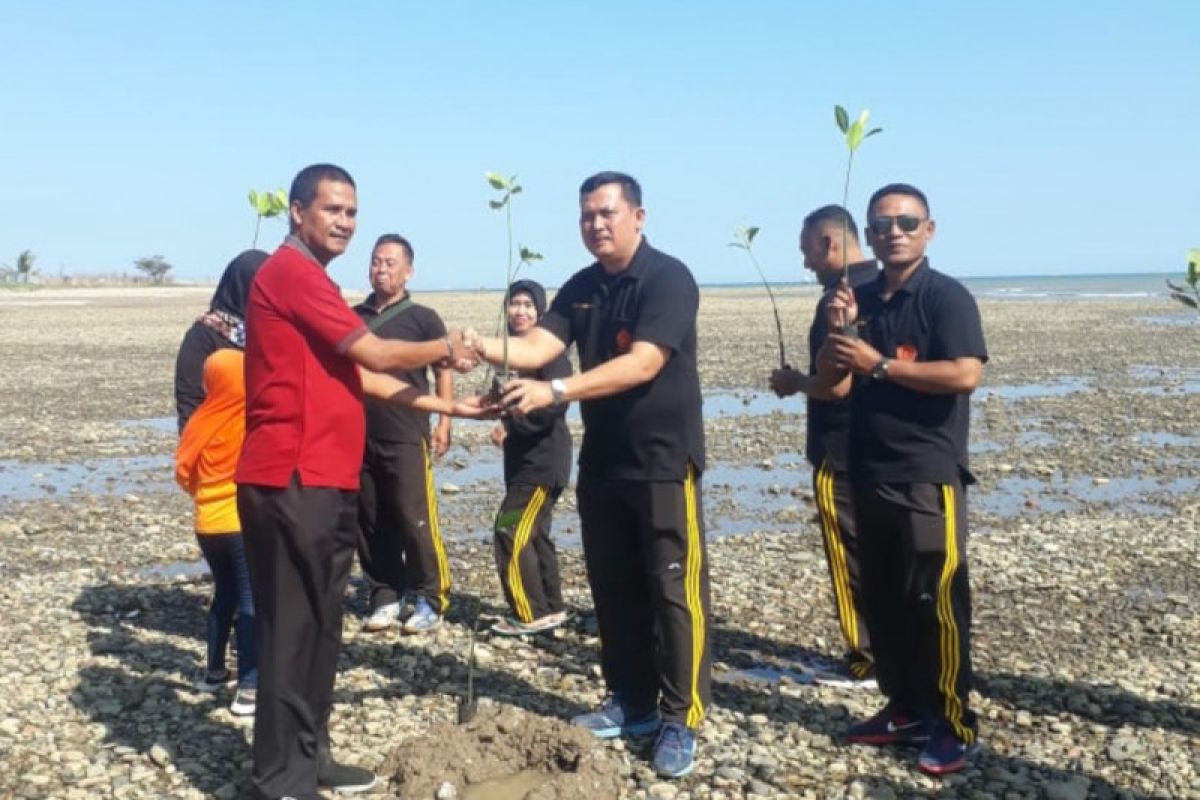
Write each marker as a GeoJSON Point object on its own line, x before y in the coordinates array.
{"type": "Point", "coordinates": [907, 223]}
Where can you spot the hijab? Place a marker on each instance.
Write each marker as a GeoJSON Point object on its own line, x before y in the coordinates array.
{"type": "Point", "coordinates": [227, 311]}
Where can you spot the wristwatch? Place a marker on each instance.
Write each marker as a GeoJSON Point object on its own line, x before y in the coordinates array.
{"type": "Point", "coordinates": [559, 390]}
{"type": "Point", "coordinates": [879, 371]}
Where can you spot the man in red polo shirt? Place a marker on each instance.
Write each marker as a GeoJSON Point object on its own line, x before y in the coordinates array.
{"type": "Point", "coordinates": [298, 476]}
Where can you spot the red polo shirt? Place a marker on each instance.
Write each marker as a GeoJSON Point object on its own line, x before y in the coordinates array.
{"type": "Point", "coordinates": [304, 410]}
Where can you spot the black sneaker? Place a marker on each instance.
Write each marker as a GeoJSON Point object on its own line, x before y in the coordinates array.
{"type": "Point", "coordinates": [345, 778]}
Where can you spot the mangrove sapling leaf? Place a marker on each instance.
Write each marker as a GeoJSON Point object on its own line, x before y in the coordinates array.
{"type": "Point", "coordinates": [524, 255]}
{"type": "Point", "coordinates": [743, 238]}
{"type": "Point", "coordinates": [266, 205]}
{"type": "Point", "coordinates": [1189, 295]}
{"type": "Point", "coordinates": [854, 135]}
{"type": "Point", "coordinates": [842, 118]}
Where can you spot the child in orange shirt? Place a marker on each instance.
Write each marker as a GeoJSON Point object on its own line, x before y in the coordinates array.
{"type": "Point", "coordinates": [204, 466]}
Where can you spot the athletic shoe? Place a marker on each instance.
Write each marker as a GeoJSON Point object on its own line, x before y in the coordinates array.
{"type": "Point", "coordinates": [382, 618]}
{"type": "Point", "coordinates": [945, 753]}
{"type": "Point", "coordinates": [345, 778]}
{"type": "Point", "coordinates": [212, 681]}
{"type": "Point", "coordinates": [510, 626]}
{"type": "Point", "coordinates": [889, 726]}
{"type": "Point", "coordinates": [424, 619]}
{"type": "Point", "coordinates": [675, 751]}
{"type": "Point", "coordinates": [244, 702]}
{"type": "Point", "coordinates": [612, 719]}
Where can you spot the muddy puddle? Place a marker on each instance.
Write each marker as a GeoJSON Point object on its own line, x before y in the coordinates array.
{"type": "Point", "coordinates": [26, 480]}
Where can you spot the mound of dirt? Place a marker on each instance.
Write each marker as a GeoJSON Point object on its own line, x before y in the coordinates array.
{"type": "Point", "coordinates": [503, 754]}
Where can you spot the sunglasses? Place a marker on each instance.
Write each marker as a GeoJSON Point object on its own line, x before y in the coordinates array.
{"type": "Point", "coordinates": [905, 222]}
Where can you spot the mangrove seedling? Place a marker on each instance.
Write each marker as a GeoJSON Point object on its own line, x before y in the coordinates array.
{"type": "Point", "coordinates": [266, 205]}
{"type": "Point", "coordinates": [507, 188]}
{"type": "Point", "coordinates": [854, 133]}
{"type": "Point", "coordinates": [1189, 296]}
{"type": "Point", "coordinates": [743, 238]}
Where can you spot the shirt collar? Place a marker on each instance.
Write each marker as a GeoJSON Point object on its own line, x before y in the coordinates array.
{"type": "Point", "coordinates": [372, 301]}
{"type": "Point", "coordinates": [859, 273]}
{"type": "Point", "coordinates": [637, 264]}
{"type": "Point", "coordinates": [294, 242]}
{"type": "Point", "coordinates": [915, 281]}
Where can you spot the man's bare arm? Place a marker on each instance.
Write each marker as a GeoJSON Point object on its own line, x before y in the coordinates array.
{"type": "Point", "coordinates": [534, 350]}
{"type": "Point", "coordinates": [382, 355]}
{"type": "Point", "coordinates": [640, 365]}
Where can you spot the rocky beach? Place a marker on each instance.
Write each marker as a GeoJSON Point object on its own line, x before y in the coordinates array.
{"type": "Point", "coordinates": [1085, 560]}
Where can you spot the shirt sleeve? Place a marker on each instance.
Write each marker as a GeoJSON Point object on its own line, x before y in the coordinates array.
{"type": "Point", "coordinates": [315, 306]}
{"type": "Point", "coordinates": [559, 315]}
{"type": "Point", "coordinates": [957, 326]}
{"type": "Point", "coordinates": [817, 333]}
{"type": "Point", "coordinates": [667, 308]}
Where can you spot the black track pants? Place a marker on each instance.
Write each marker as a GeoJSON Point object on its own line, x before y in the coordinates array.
{"type": "Point", "coordinates": [643, 543]}
{"type": "Point", "coordinates": [526, 558]}
{"type": "Point", "coordinates": [918, 597]}
{"type": "Point", "coordinates": [400, 543]}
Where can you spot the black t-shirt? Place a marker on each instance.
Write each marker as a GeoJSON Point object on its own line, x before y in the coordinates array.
{"type": "Point", "coordinates": [653, 430]}
{"type": "Point", "coordinates": [828, 421]}
{"type": "Point", "coordinates": [387, 422]}
{"type": "Point", "coordinates": [198, 344]}
{"type": "Point", "coordinates": [898, 435]}
{"type": "Point", "coordinates": [537, 449]}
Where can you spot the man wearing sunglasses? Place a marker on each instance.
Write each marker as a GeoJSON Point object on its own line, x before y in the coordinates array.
{"type": "Point", "coordinates": [909, 357]}
{"type": "Point", "coordinates": [829, 244]}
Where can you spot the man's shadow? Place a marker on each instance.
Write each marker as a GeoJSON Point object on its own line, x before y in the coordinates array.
{"type": "Point", "coordinates": [137, 684]}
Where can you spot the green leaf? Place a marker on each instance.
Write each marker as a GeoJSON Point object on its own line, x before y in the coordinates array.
{"type": "Point", "coordinates": [497, 180]}
{"type": "Point", "coordinates": [516, 189]}
{"type": "Point", "coordinates": [854, 136]}
{"type": "Point", "coordinates": [872, 132]}
{"type": "Point", "coordinates": [750, 234]}
{"type": "Point", "coordinates": [843, 119]}
{"type": "Point", "coordinates": [1173, 286]}
{"type": "Point", "coordinates": [254, 199]}
{"type": "Point", "coordinates": [281, 199]}
{"type": "Point", "coordinates": [264, 204]}
{"type": "Point", "coordinates": [861, 122]}
{"type": "Point", "coordinates": [1193, 266]}
{"type": "Point", "coordinates": [496, 204]}
{"type": "Point", "coordinates": [738, 245]}
{"type": "Point", "coordinates": [529, 255]}
{"type": "Point", "coordinates": [1187, 301]}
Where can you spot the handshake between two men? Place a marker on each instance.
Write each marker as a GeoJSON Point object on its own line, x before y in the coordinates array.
{"type": "Point", "coordinates": [465, 350]}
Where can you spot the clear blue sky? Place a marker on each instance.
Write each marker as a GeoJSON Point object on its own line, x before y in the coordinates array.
{"type": "Point", "coordinates": [1051, 137]}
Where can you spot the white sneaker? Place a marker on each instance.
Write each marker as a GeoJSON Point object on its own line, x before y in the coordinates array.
{"type": "Point", "coordinates": [424, 619]}
{"type": "Point", "coordinates": [210, 682]}
{"type": "Point", "coordinates": [383, 618]}
{"type": "Point", "coordinates": [244, 702]}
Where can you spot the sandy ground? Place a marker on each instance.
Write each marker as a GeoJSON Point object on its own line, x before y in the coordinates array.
{"type": "Point", "coordinates": [1084, 564]}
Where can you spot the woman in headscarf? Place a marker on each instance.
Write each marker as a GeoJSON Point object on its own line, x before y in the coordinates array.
{"type": "Point", "coordinates": [205, 462]}
{"type": "Point", "coordinates": [537, 466]}
{"type": "Point", "coordinates": [221, 326]}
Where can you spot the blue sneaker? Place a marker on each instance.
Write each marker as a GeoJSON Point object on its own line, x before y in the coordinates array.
{"type": "Point", "coordinates": [612, 719]}
{"type": "Point", "coordinates": [889, 726]}
{"type": "Point", "coordinates": [423, 619]}
{"type": "Point", "coordinates": [945, 753]}
{"type": "Point", "coordinates": [675, 751]}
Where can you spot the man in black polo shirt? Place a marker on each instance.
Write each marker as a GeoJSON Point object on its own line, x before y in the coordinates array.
{"type": "Point", "coordinates": [400, 544]}
{"type": "Point", "coordinates": [910, 371]}
{"type": "Point", "coordinates": [632, 316]}
{"type": "Point", "coordinates": [829, 243]}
